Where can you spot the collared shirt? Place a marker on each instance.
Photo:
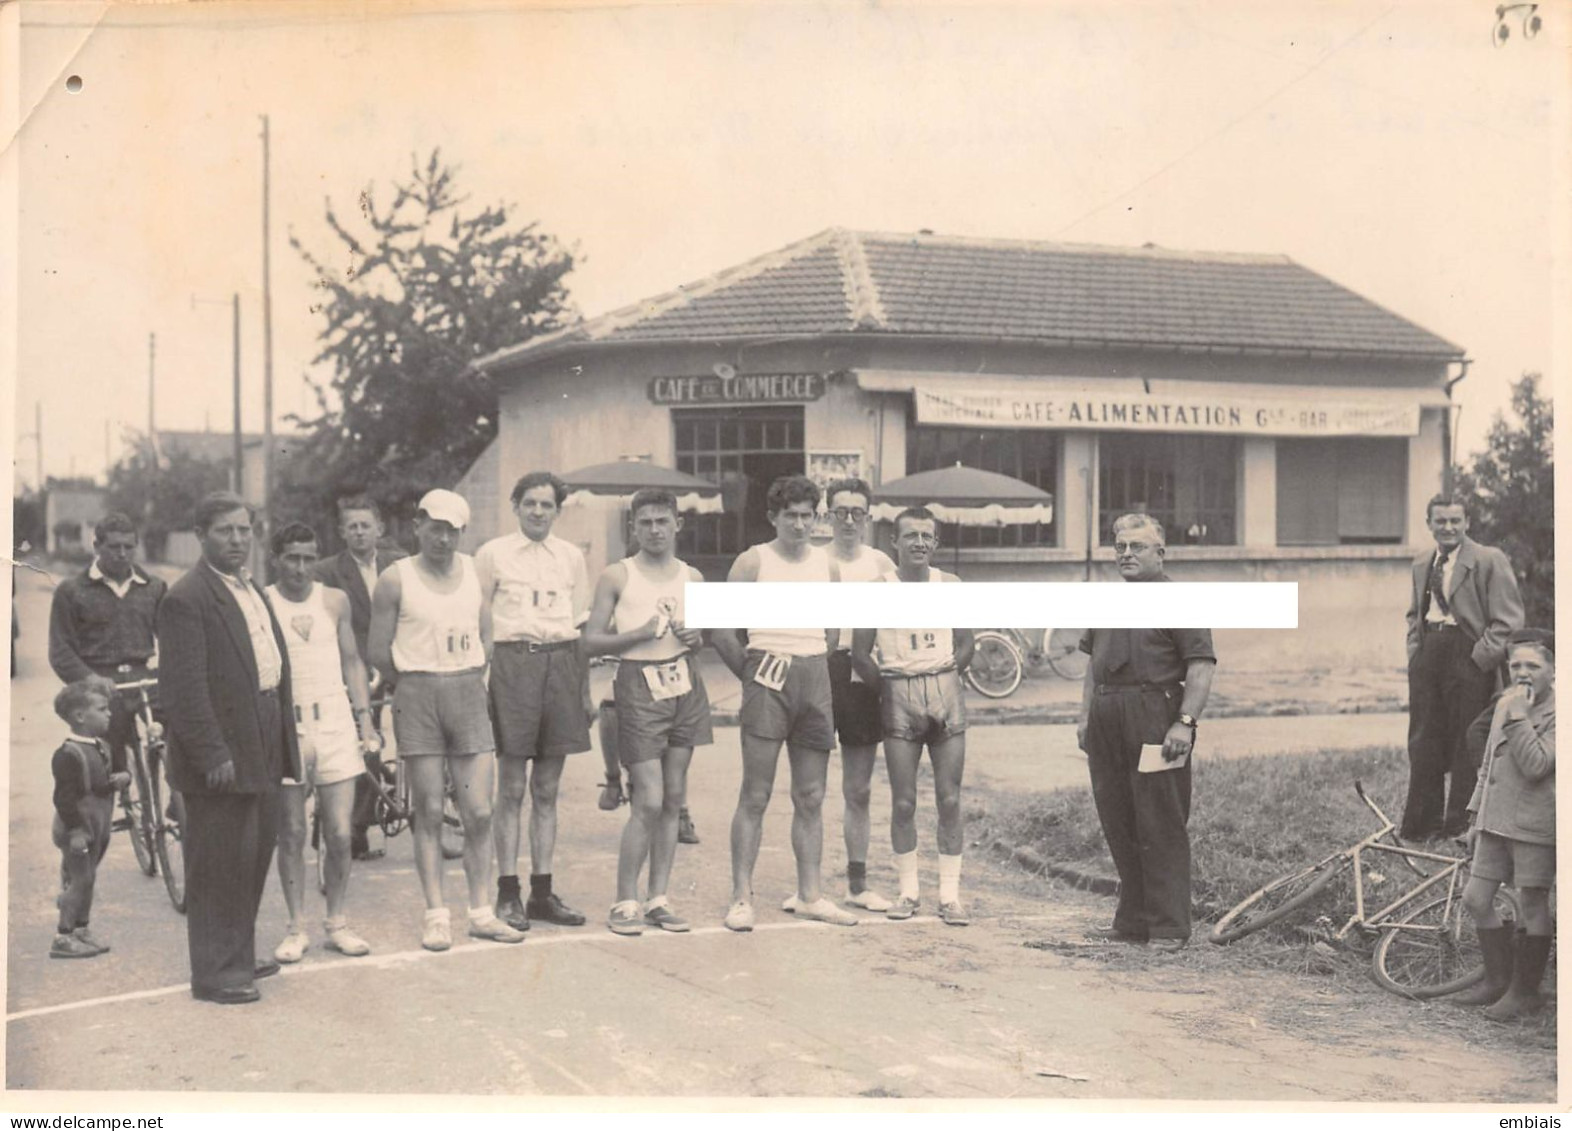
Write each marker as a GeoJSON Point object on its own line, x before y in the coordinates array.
{"type": "Point", "coordinates": [539, 590]}
{"type": "Point", "coordinates": [118, 588]}
{"type": "Point", "coordinates": [270, 667]}
{"type": "Point", "coordinates": [1434, 615]}
{"type": "Point", "coordinates": [1156, 656]}
{"type": "Point", "coordinates": [94, 629]}
{"type": "Point", "coordinates": [368, 572]}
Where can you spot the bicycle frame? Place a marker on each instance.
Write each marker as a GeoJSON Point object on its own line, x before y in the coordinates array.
{"type": "Point", "coordinates": [1381, 920]}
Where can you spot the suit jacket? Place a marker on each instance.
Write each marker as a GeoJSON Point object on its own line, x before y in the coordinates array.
{"type": "Point", "coordinates": [341, 572]}
{"type": "Point", "coordinates": [207, 684]}
{"type": "Point", "coordinates": [1483, 598]}
{"type": "Point", "coordinates": [1515, 795]}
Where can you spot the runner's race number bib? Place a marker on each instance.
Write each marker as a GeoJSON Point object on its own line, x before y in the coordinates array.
{"type": "Point", "coordinates": [457, 642]}
{"type": "Point", "coordinates": [772, 671]}
{"type": "Point", "coordinates": [667, 681]}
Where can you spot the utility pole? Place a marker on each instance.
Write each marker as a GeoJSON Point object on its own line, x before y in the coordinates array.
{"type": "Point", "coordinates": [267, 339]}
{"type": "Point", "coordinates": [108, 462]}
{"type": "Point", "coordinates": [38, 436]}
{"type": "Point", "coordinates": [152, 346]}
{"type": "Point", "coordinates": [240, 474]}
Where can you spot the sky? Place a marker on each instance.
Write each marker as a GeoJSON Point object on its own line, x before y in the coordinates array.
{"type": "Point", "coordinates": [1390, 147]}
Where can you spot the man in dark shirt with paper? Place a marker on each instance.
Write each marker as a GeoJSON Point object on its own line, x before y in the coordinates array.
{"type": "Point", "coordinates": [1144, 690]}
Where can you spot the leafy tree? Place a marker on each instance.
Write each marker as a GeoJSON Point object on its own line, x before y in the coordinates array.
{"type": "Point", "coordinates": [1511, 490]}
{"type": "Point", "coordinates": [159, 491]}
{"type": "Point", "coordinates": [430, 288]}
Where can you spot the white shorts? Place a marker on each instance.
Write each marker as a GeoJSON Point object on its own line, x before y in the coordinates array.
{"type": "Point", "coordinates": [329, 745]}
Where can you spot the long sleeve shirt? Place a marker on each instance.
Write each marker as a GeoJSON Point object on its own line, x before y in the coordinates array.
{"type": "Point", "coordinates": [93, 629]}
{"type": "Point", "coordinates": [81, 770]}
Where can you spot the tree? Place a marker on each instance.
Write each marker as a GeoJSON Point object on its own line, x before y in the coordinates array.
{"type": "Point", "coordinates": [430, 289]}
{"type": "Point", "coordinates": [1511, 491]}
{"type": "Point", "coordinates": [160, 491]}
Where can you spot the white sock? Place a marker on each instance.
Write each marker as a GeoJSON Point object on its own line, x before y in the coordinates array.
{"type": "Point", "coordinates": [436, 913]}
{"type": "Point", "coordinates": [906, 868]}
{"type": "Point", "coordinates": [653, 903]}
{"type": "Point", "coordinates": [949, 878]}
{"type": "Point", "coordinates": [480, 914]}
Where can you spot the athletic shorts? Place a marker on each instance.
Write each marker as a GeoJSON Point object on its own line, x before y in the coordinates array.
{"type": "Point", "coordinates": [924, 708]}
{"type": "Point", "coordinates": [441, 713]}
{"type": "Point", "coordinates": [329, 745]}
{"type": "Point", "coordinates": [647, 727]}
{"type": "Point", "coordinates": [1504, 860]}
{"type": "Point", "coordinates": [856, 704]}
{"type": "Point", "coordinates": [537, 701]}
{"type": "Point", "coordinates": [801, 712]}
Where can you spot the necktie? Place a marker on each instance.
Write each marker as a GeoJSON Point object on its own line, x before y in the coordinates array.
{"type": "Point", "coordinates": [1438, 583]}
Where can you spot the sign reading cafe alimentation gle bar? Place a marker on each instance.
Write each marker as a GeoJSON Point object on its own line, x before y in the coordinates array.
{"type": "Point", "coordinates": [1168, 412]}
{"type": "Point", "coordinates": [728, 387]}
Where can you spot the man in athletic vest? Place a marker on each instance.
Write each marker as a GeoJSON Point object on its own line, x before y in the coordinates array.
{"type": "Point", "coordinates": [431, 634]}
{"type": "Point", "coordinates": [662, 709]}
{"type": "Point", "coordinates": [326, 677]}
{"type": "Point", "coordinates": [539, 593]}
{"type": "Point", "coordinates": [785, 699]}
{"type": "Point", "coordinates": [918, 674]}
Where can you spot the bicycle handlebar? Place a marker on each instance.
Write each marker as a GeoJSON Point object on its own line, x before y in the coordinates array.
{"type": "Point", "coordinates": [136, 685]}
{"type": "Point", "coordinates": [1359, 788]}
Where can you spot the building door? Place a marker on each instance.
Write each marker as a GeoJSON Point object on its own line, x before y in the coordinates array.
{"type": "Point", "coordinates": [743, 450]}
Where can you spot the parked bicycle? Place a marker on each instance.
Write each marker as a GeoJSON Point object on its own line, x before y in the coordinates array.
{"type": "Point", "coordinates": [1427, 946]}
{"type": "Point", "coordinates": [1002, 657]}
{"type": "Point", "coordinates": [153, 812]}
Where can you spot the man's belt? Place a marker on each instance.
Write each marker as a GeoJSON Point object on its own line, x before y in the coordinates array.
{"type": "Point", "coordinates": [916, 675]}
{"type": "Point", "coordinates": [1126, 688]}
{"type": "Point", "coordinates": [1441, 626]}
{"type": "Point", "coordinates": [536, 646]}
{"type": "Point", "coordinates": [112, 670]}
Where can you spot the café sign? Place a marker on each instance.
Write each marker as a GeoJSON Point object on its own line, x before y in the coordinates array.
{"type": "Point", "coordinates": [1167, 412]}
{"type": "Point", "coordinates": [728, 387]}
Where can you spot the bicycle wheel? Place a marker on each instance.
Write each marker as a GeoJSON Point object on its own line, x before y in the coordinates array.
{"type": "Point", "coordinates": [169, 825]}
{"type": "Point", "coordinates": [1434, 949]}
{"type": "Point", "coordinates": [1062, 646]}
{"type": "Point", "coordinates": [135, 800]}
{"type": "Point", "coordinates": [451, 835]}
{"type": "Point", "coordinates": [1277, 900]}
{"type": "Point", "coordinates": [996, 667]}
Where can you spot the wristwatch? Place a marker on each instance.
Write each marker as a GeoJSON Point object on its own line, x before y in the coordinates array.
{"type": "Point", "coordinates": [1189, 721]}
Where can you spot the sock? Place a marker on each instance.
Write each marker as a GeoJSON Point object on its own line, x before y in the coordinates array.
{"type": "Point", "coordinates": [437, 913]}
{"type": "Point", "coordinates": [507, 887]}
{"type": "Point", "coordinates": [857, 876]}
{"type": "Point", "coordinates": [653, 902]}
{"type": "Point", "coordinates": [906, 867]}
{"type": "Point", "coordinates": [480, 914]}
{"type": "Point", "coordinates": [949, 878]}
{"type": "Point", "coordinates": [62, 929]}
{"type": "Point", "coordinates": [539, 885]}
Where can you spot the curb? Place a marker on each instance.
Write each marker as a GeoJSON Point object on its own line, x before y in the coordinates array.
{"type": "Point", "coordinates": [1032, 862]}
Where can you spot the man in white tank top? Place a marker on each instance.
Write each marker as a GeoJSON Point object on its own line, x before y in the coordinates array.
{"type": "Point", "coordinates": [918, 673]}
{"type": "Point", "coordinates": [785, 699]}
{"type": "Point", "coordinates": [431, 634]}
{"type": "Point", "coordinates": [663, 711]}
{"type": "Point", "coordinates": [326, 677]}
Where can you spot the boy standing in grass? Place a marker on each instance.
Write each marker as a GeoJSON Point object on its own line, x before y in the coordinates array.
{"type": "Point", "coordinates": [84, 799]}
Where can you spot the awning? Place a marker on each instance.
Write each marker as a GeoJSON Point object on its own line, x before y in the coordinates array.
{"type": "Point", "coordinates": [1158, 405]}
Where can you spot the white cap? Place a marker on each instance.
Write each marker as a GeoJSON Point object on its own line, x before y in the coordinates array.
{"type": "Point", "coordinates": [446, 506]}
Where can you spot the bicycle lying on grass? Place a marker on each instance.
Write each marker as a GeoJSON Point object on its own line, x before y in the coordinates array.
{"type": "Point", "coordinates": [1427, 945]}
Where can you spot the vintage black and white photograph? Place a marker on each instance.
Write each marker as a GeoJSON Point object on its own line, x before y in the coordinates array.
{"type": "Point", "coordinates": [386, 379]}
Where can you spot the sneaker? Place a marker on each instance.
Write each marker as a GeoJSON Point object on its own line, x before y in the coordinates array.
{"type": "Point", "coordinates": [510, 909]}
{"type": "Point", "coordinates": [665, 918]}
{"type": "Point", "coordinates": [739, 917]}
{"type": "Point", "coordinates": [868, 900]}
{"type": "Point", "coordinates": [293, 948]}
{"type": "Point", "coordinates": [953, 913]}
{"type": "Point", "coordinates": [69, 946]}
{"type": "Point", "coordinates": [686, 833]}
{"type": "Point", "coordinates": [904, 907]}
{"type": "Point", "coordinates": [825, 911]}
{"type": "Point", "coordinates": [611, 794]}
{"type": "Point", "coordinates": [493, 929]}
{"type": "Point", "coordinates": [551, 909]}
{"type": "Point", "coordinates": [437, 934]}
{"type": "Point", "coordinates": [346, 942]}
{"type": "Point", "coordinates": [625, 918]}
{"type": "Point", "coordinates": [789, 904]}
{"type": "Point", "coordinates": [91, 940]}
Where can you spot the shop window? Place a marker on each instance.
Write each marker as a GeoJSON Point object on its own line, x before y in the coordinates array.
{"type": "Point", "coordinates": [1352, 490]}
{"type": "Point", "coordinates": [1026, 454]}
{"type": "Point", "coordinates": [1188, 483]}
{"type": "Point", "coordinates": [742, 451]}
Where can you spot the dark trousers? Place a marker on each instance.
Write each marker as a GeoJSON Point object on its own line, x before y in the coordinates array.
{"type": "Point", "coordinates": [1446, 690]}
{"type": "Point", "coordinates": [1143, 815]}
{"type": "Point", "coordinates": [79, 870]}
{"type": "Point", "coordinates": [229, 841]}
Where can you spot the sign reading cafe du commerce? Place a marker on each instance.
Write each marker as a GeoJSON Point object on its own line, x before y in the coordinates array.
{"type": "Point", "coordinates": [1168, 412]}
{"type": "Point", "coordinates": [726, 386]}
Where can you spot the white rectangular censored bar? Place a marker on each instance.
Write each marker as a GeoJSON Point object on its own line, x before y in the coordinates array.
{"type": "Point", "coordinates": [996, 604]}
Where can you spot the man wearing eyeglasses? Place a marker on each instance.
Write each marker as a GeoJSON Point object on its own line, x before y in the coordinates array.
{"type": "Point", "coordinates": [1144, 690]}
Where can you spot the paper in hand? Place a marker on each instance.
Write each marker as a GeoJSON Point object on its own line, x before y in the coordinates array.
{"type": "Point", "coordinates": [1152, 761]}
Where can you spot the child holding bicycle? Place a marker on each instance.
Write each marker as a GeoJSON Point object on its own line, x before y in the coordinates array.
{"type": "Point", "coordinates": [1514, 830]}
{"type": "Point", "coordinates": [84, 798]}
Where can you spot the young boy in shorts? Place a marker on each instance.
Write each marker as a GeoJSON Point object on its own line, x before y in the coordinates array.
{"type": "Point", "coordinates": [663, 711]}
{"type": "Point", "coordinates": [84, 801]}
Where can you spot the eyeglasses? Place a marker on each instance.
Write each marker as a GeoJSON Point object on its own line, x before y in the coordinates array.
{"type": "Point", "coordinates": [1131, 547]}
{"type": "Point", "coordinates": [849, 514]}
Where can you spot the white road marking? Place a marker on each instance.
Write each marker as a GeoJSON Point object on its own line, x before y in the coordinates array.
{"type": "Point", "coordinates": [405, 957]}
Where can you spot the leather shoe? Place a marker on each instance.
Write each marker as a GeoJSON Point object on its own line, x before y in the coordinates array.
{"type": "Point", "coordinates": [228, 995]}
{"type": "Point", "coordinates": [1114, 934]}
{"type": "Point", "coordinates": [551, 909]}
{"type": "Point", "coordinates": [265, 969]}
{"type": "Point", "coordinates": [510, 909]}
{"type": "Point", "coordinates": [1168, 945]}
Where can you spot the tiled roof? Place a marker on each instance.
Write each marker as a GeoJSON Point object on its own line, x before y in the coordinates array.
{"type": "Point", "coordinates": [841, 282]}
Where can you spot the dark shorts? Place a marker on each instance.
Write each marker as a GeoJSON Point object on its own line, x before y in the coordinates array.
{"type": "Point", "coordinates": [647, 727]}
{"type": "Point", "coordinates": [856, 704]}
{"type": "Point", "coordinates": [537, 702]}
{"type": "Point", "coordinates": [1516, 862]}
{"type": "Point", "coordinates": [441, 713]}
{"type": "Point", "coordinates": [801, 712]}
{"type": "Point", "coordinates": [924, 708]}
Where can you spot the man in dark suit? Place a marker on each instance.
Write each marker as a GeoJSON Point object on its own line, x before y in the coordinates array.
{"type": "Point", "coordinates": [355, 570]}
{"type": "Point", "coordinates": [1463, 605]}
{"type": "Point", "coordinates": [223, 679]}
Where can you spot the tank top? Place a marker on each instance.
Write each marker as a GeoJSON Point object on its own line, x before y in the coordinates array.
{"type": "Point", "coordinates": [914, 651]}
{"type": "Point", "coordinates": [871, 566]}
{"type": "Point", "coordinates": [643, 597]}
{"type": "Point", "coordinates": [316, 671]}
{"type": "Point", "coordinates": [773, 567]}
{"type": "Point", "coordinates": [438, 632]}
